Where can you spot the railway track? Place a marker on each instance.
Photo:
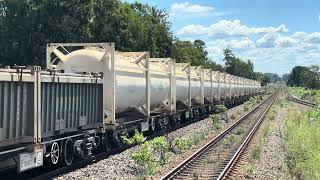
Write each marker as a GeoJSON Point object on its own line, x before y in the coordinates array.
{"type": "Point", "coordinates": [215, 159]}
{"type": "Point", "coordinates": [297, 100]}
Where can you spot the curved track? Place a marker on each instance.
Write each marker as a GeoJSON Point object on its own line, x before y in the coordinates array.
{"type": "Point", "coordinates": [297, 100]}
{"type": "Point", "coordinates": [215, 159]}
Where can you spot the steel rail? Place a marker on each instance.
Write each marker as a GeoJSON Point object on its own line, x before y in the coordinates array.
{"type": "Point", "coordinates": [244, 144]}
{"type": "Point", "coordinates": [300, 101]}
{"type": "Point", "coordinates": [217, 138]}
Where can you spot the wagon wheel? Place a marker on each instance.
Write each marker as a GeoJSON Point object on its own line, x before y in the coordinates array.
{"type": "Point", "coordinates": [54, 154]}
{"type": "Point", "coordinates": [68, 151]}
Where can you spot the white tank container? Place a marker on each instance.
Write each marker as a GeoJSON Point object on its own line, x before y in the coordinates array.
{"type": "Point", "coordinates": [130, 81]}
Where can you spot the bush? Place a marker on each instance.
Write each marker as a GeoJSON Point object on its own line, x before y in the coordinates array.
{"type": "Point", "coordinates": [160, 148]}
{"type": "Point", "coordinates": [181, 144]}
{"type": "Point", "coordinates": [138, 138]}
{"type": "Point", "coordinates": [215, 122]}
{"type": "Point", "coordinates": [220, 108]}
{"type": "Point", "coordinates": [145, 160]}
{"type": "Point", "coordinates": [151, 155]}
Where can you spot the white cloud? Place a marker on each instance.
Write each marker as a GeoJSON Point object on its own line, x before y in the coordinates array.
{"type": "Point", "coordinates": [267, 41]}
{"type": "Point", "coordinates": [313, 37]}
{"type": "Point", "coordinates": [187, 7]}
{"type": "Point", "coordinates": [228, 28]}
{"type": "Point", "coordinates": [270, 48]}
{"type": "Point", "coordinates": [277, 40]}
{"type": "Point", "coordinates": [299, 35]}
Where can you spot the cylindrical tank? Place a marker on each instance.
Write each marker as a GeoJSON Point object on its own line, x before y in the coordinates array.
{"type": "Point", "coordinates": [130, 81]}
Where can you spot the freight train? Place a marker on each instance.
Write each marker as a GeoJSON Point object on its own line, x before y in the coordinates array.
{"type": "Point", "coordinates": [90, 95]}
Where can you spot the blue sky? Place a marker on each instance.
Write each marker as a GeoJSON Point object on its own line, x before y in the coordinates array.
{"type": "Point", "coordinates": [275, 34]}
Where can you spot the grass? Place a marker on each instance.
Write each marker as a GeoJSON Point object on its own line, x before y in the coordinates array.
{"type": "Point", "coordinates": [303, 143]}
{"type": "Point", "coordinates": [229, 140]}
{"type": "Point", "coordinates": [265, 131]}
{"type": "Point", "coordinates": [196, 174]}
{"type": "Point", "coordinates": [215, 122]}
{"type": "Point", "coordinates": [310, 95]}
{"type": "Point", "coordinates": [256, 151]}
{"type": "Point", "coordinates": [248, 169]}
{"type": "Point", "coordinates": [239, 131]}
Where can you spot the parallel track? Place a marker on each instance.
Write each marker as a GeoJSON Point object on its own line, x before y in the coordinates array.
{"type": "Point", "coordinates": [214, 160]}
{"type": "Point", "coordinates": [297, 100]}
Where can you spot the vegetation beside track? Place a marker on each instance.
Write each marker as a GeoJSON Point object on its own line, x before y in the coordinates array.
{"type": "Point", "coordinates": [310, 95]}
{"type": "Point", "coordinates": [152, 155]}
{"type": "Point", "coordinates": [303, 143]}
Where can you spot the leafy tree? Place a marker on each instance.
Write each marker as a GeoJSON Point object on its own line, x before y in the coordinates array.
{"type": "Point", "coordinates": [194, 53]}
{"type": "Point", "coordinates": [27, 26]}
{"type": "Point", "coordinates": [237, 66]}
{"type": "Point", "coordinates": [304, 76]}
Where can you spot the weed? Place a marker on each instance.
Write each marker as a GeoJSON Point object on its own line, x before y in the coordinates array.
{"type": "Point", "coordinates": [239, 131]}
{"type": "Point", "coordinates": [229, 140]}
{"type": "Point", "coordinates": [210, 161]}
{"type": "Point", "coordinates": [215, 122]}
{"type": "Point", "coordinates": [138, 138]}
{"type": "Point", "coordinates": [160, 149]}
{"type": "Point", "coordinates": [196, 175]}
{"type": "Point", "coordinates": [265, 131]}
{"type": "Point", "coordinates": [182, 144]}
{"type": "Point", "coordinates": [272, 116]}
{"type": "Point", "coordinates": [220, 108]}
{"type": "Point", "coordinates": [256, 151]}
{"type": "Point", "coordinates": [248, 169]}
{"type": "Point", "coordinates": [144, 158]}
{"type": "Point", "coordinates": [232, 116]}
{"type": "Point", "coordinates": [302, 143]}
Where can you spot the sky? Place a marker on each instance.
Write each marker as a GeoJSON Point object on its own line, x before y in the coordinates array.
{"type": "Point", "coordinates": [275, 34]}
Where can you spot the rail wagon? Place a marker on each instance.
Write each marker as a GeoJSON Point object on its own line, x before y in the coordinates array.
{"type": "Point", "coordinates": [90, 96]}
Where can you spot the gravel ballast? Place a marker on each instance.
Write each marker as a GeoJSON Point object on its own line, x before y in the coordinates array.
{"type": "Point", "coordinates": [270, 162]}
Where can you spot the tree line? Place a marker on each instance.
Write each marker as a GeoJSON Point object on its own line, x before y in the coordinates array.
{"type": "Point", "coordinates": [27, 26]}
{"type": "Point", "coordinates": [308, 77]}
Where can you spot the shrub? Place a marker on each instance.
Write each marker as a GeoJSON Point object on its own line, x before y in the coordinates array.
{"type": "Point", "coordinates": [160, 148]}
{"type": "Point", "coordinates": [181, 144]}
{"type": "Point", "coordinates": [145, 160]}
{"type": "Point", "coordinates": [220, 108]}
{"type": "Point", "coordinates": [138, 138]}
{"type": "Point", "coordinates": [215, 122]}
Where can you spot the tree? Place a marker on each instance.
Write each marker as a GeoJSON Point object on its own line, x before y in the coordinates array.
{"type": "Point", "coordinates": [27, 26]}
{"type": "Point", "coordinates": [237, 66]}
{"type": "Point", "coordinates": [194, 53]}
{"type": "Point", "coordinates": [304, 76]}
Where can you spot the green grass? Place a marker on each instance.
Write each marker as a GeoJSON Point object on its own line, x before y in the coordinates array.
{"type": "Point", "coordinates": [256, 151]}
{"type": "Point", "coordinates": [302, 142]}
{"type": "Point", "coordinates": [306, 94]}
